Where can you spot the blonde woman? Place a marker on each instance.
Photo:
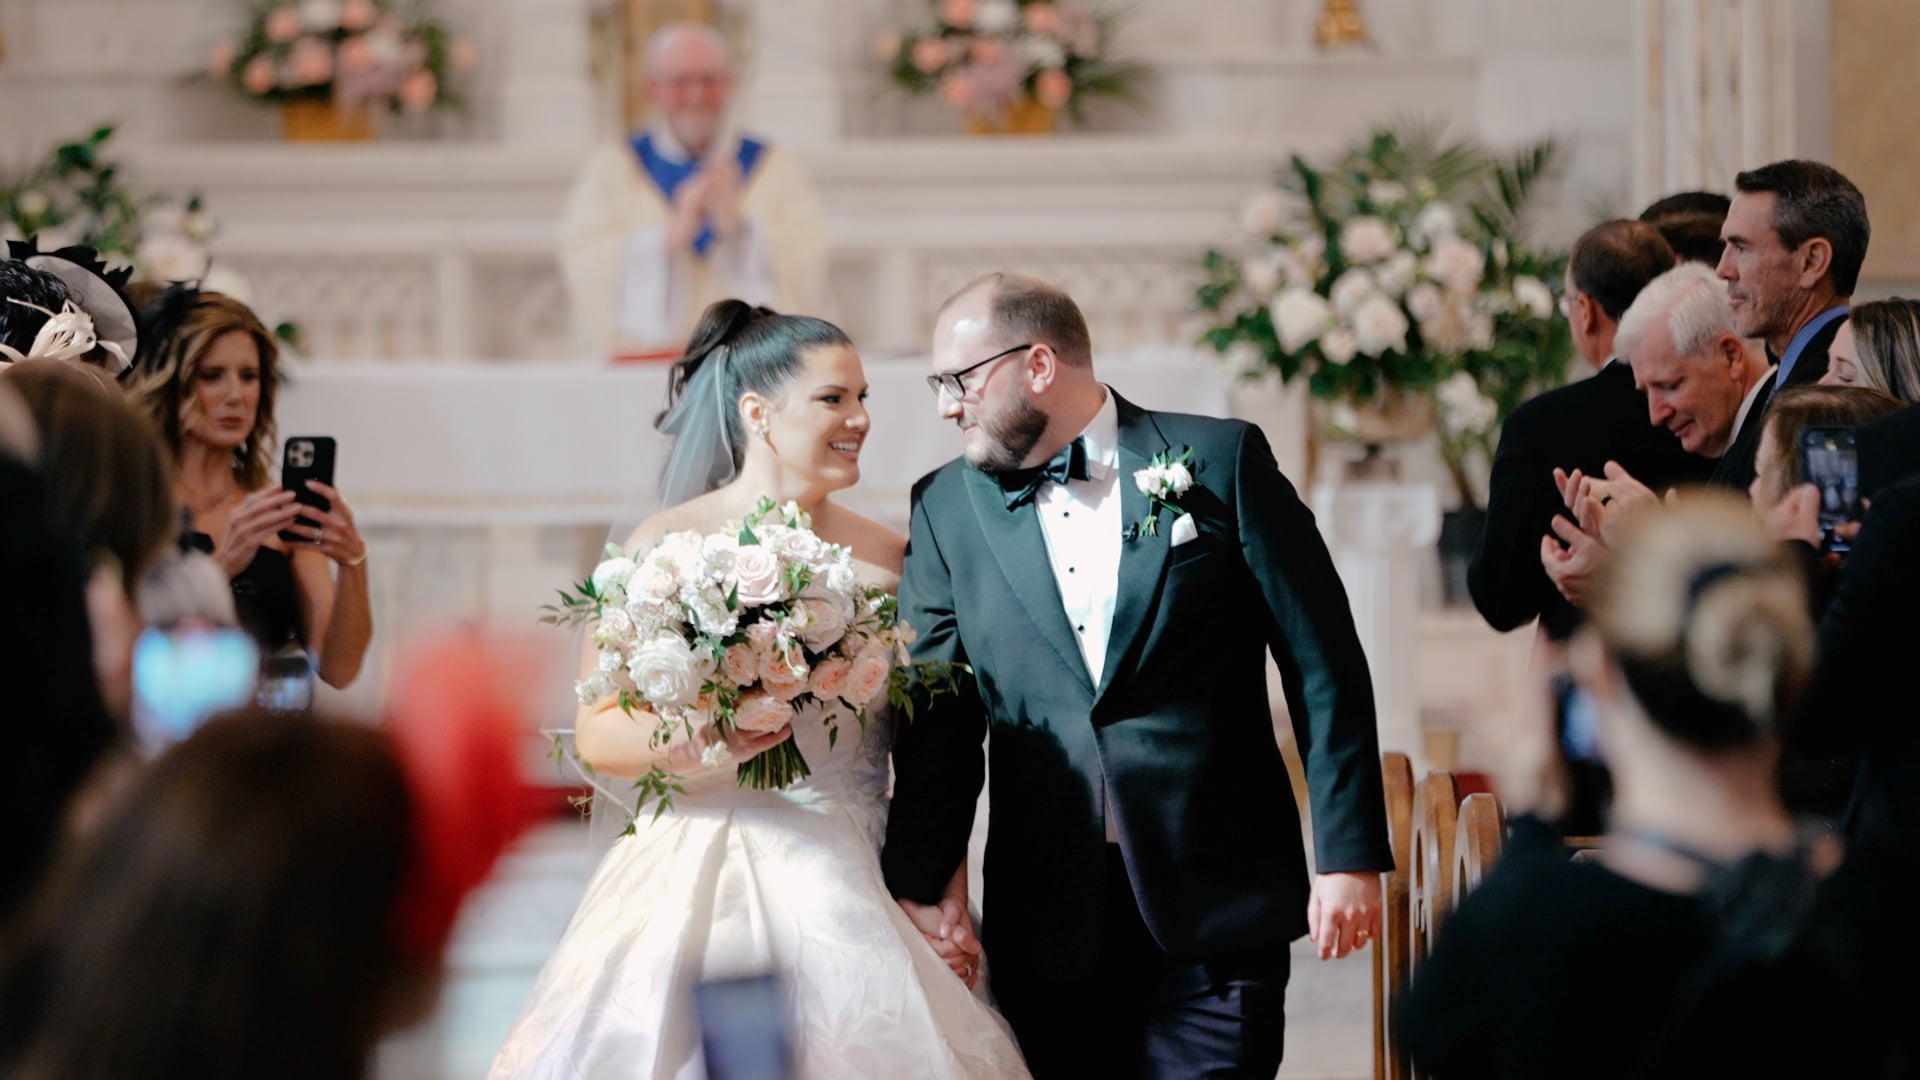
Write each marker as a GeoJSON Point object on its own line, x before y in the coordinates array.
{"type": "Point", "coordinates": [1878, 347]}
{"type": "Point", "coordinates": [207, 375]}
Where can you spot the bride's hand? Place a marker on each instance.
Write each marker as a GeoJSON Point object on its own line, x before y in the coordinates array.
{"type": "Point", "coordinates": [747, 745]}
{"type": "Point", "coordinates": [949, 929]}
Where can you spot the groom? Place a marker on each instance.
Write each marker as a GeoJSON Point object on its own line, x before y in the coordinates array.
{"type": "Point", "coordinates": [1144, 862]}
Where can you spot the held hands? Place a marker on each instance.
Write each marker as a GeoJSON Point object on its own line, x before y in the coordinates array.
{"type": "Point", "coordinates": [1344, 912]}
{"type": "Point", "coordinates": [949, 929]}
{"type": "Point", "coordinates": [710, 196]}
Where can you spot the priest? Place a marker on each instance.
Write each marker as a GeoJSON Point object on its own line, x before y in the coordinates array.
{"type": "Point", "coordinates": [686, 212]}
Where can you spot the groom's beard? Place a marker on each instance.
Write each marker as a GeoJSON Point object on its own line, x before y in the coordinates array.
{"type": "Point", "coordinates": [1014, 433]}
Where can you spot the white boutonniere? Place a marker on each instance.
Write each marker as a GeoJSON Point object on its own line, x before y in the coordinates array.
{"type": "Point", "coordinates": [1163, 481]}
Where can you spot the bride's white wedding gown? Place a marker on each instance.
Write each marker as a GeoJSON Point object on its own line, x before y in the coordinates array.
{"type": "Point", "coordinates": [738, 882]}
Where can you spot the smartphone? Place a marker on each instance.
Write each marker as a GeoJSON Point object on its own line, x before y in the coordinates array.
{"type": "Point", "coordinates": [1829, 461]}
{"type": "Point", "coordinates": [286, 683]}
{"type": "Point", "coordinates": [183, 676]}
{"type": "Point", "coordinates": [743, 1028]}
{"type": "Point", "coordinates": [306, 457]}
{"type": "Point", "coordinates": [1589, 783]}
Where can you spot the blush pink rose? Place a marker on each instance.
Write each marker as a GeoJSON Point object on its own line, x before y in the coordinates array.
{"type": "Point", "coordinates": [738, 665]}
{"type": "Point", "coordinates": [463, 54]}
{"type": "Point", "coordinates": [355, 54]}
{"type": "Point", "coordinates": [220, 60]}
{"type": "Point", "coordinates": [282, 25]}
{"type": "Point", "coordinates": [784, 680]}
{"type": "Point", "coordinates": [959, 13]}
{"type": "Point", "coordinates": [757, 570]}
{"type": "Point", "coordinates": [1041, 18]}
{"type": "Point", "coordinates": [1053, 88]}
{"type": "Point", "coordinates": [867, 678]}
{"type": "Point", "coordinates": [258, 76]}
{"type": "Point", "coordinates": [357, 15]}
{"type": "Point", "coordinates": [957, 91]}
{"type": "Point", "coordinates": [311, 63]}
{"type": "Point", "coordinates": [761, 714]}
{"type": "Point", "coordinates": [929, 54]}
{"type": "Point", "coordinates": [418, 91]}
{"type": "Point", "coordinates": [830, 678]}
{"type": "Point", "coordinates": [986, 50]}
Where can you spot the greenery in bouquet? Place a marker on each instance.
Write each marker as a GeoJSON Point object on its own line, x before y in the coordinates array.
{"type": "Point", "coordinates": [983, 57]}
{"type": "Point", "coordinates": [77, 195]}
{"type": "Point", "coordinates": [1402, 269]}
{"type": "Point", "coordinates": [362, 54]}
{"type": "Point", "coordinates": [742, 630]}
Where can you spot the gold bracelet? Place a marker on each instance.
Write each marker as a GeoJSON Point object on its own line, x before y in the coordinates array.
{"type": "Point", "coordinates": [364, 549]}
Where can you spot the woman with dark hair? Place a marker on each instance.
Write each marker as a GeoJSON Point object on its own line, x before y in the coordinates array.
{"type": "Point", "coordinates": [207, 374]}
{"type": "Point", "coordinates": [232, 916]}
{"type": "Point", "coordinates": [1715, 934]}
{"type": "Point", "coordinates": [739, 881]}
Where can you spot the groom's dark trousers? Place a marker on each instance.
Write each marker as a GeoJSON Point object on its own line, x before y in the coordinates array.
{"type": "Point", "coordinates": [1163, 952]}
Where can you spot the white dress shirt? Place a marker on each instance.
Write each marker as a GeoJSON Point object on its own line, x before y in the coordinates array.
{"type": "Point", "coordinates": [1080, 521]}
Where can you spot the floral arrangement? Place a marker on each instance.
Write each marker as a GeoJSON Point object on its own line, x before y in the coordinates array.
{"type": "Point", "coordinates": [359, 53]}
{"type": "Point", "coordinates": [76, 196]}
{"type": "Point", "coordinates": [984, 57]}
{"type": "Point", "coordinates": [1400, 271]}
{"type": "Point", "coordinates": [738, 630]}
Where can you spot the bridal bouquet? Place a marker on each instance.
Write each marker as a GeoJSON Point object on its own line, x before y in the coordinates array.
{"type": "Point", "coordinates": [739, 630]}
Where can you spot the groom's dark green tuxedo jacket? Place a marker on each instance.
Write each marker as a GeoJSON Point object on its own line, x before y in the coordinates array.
{"type": "Point", "coordinates": [1179, 728]}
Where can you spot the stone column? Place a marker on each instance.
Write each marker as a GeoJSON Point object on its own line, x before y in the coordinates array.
{"type": "Point", "coordinates": [1380, 534]}
{"type": "Point", "coordinates": [791, 91]}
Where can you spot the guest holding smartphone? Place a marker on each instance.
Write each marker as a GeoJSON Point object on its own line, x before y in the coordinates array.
{"type": "Point", "coordinates": [207, 374]}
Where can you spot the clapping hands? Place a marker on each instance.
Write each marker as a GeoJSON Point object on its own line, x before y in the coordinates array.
{"type": "Point", "coordinates": [710, 197]}
{"type": "Point", "coordinates": [1575, 551]}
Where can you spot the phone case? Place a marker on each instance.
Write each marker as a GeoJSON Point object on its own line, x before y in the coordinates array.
{"type": "Point", "coordinates": [306, 457]}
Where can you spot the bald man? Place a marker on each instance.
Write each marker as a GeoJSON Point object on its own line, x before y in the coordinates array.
{"type": "Point", "coordinates": [686, 212]}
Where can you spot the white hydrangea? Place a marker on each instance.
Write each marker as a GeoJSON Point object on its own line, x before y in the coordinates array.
{"type": "Point", "coordinates": [1339, 346]}
{"type": "Point", "coordinates": [1463, 408]}
{"type": "Point", "coordinates": [1380, 327]}
{"type": "Point", "coordinates": [1351, 289]}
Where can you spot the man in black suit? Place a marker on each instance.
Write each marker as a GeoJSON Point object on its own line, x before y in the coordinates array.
{"type": "Point", "coordinates": [1703, 382]}
{"type": "Point", "coordinates": [1795, 235]}
{"type": "Point", "coordinates": [1144, 861]}
{"type": "Point", "coordinates": [1581, 426]}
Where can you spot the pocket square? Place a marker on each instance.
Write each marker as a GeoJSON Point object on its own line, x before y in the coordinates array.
{"type": "Point", "coordinates": [1184, 530]}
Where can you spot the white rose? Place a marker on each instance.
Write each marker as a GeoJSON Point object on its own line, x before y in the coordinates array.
{"type": "Point", "coordinates": [653, 581]}
{"type": "Point", "coordinates": [1380, 327]}
{"type": "Point", "coordinates": [171, 258]}
{"type": "Point", "coordinates": [593, 688]}
{"type": "Point", "coordinates": [1149, 480]}
{"type": "Point", "coordinates": [1426, 301]}
{"type": "Point", "coordinates": [667, 672]}
{"type": "Point", "coordinates": [1532, 294]}
{"type": "Point", "coordinates": [1367, 239]}
{"type": "Point", "coordinates": [1456, 263]}
{"type": "Point", "coordinates": [319, 15]}
{"type": "Point", "coordinates": [1260, 275]}
{"type": "Point", "coordinates": [826, 623]}
{"type": "Point", "coordinates": [1396, 275]}
{"type": "Point", "coordinates": [801, 546]}
{"type": "Point", "coordinates": [758, 572]}
{"type": "Point", "coordinates": [839, 579]}
{"type": "Point", "coordinates": [1042, 51]}
{"type": "Point", "coordinates": [33, 202]}
{"type": "Point", "coordinates": [1352, 289]}
{"type": "Point", "coordinates": [1386, 192]}
{"type": "Point", "coordinates": [1434, 223]}
{"type": "Point", "coordinates": [611, 575]}
{"type": "Point", "coordinates": [1463, 407]}
{"type": "Point", "coordinates": [1299, 316]}
{"type": "Point", "coordinates": [1178, 479]}
{"type": "Point", "coordinates": [1339, 346]}
{"type": "Point", "coordinates": [997, 16]}
{"type": "Point", "coordinates": [1262, 213]}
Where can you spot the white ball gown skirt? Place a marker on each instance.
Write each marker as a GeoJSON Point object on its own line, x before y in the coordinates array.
{"type": "Point", "coordinates": [736, 882]}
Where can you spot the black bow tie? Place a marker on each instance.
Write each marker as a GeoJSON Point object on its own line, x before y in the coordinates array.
{"type": "Point", "coordinates": [1069, 464]}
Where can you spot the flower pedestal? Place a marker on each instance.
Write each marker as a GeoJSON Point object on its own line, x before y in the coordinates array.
{"type": "Point", "coordinates": [1381, 536]}
{"type": "Point", "coordinates": [313, 119]}
{"type": "Point", "coordinates": [1023, 117]}
{"type": "Point", "coordinates": [1369, 433]}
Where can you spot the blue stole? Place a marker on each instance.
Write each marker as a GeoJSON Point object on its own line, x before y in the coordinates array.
{"type": "Point", "coordinates": [669, 175]}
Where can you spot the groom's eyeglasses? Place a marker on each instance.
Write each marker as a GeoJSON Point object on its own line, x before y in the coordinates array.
{"type": "Point", "coordinates": [950, 380]}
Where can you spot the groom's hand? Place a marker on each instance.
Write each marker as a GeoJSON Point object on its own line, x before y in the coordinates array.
{"type": "Point", "coordinates": [949, 929]}
{"type": "Point", "coordinates": [1344, 912]}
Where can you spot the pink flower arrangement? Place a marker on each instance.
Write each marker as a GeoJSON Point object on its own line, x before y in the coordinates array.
{"type": "Point", "coordinates": [982, 57]}
{"type": "Point", "coordinates": [363, 54]}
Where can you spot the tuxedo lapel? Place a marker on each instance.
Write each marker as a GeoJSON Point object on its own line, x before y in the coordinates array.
{"type": "Point", "coordinates": [1143, 558]}
{"type": "Point", "coordinates": [1015, 540]}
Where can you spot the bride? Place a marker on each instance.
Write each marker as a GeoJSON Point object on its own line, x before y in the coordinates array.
{"type": "Point", "coordinates": [733, 881]}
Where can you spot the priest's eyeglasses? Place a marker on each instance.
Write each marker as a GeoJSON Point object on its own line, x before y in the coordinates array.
{"type": "Point", "coordinates": [950, 381]}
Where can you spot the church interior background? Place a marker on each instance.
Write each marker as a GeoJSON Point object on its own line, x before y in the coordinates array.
{"type": "Point", "coordinates": [486, 463]}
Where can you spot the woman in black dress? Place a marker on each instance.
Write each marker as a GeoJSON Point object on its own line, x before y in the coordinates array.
{"type": "Point", "coordinates": [207, 374]}
{"type": "Point", "coordinates": [1715, 934]}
